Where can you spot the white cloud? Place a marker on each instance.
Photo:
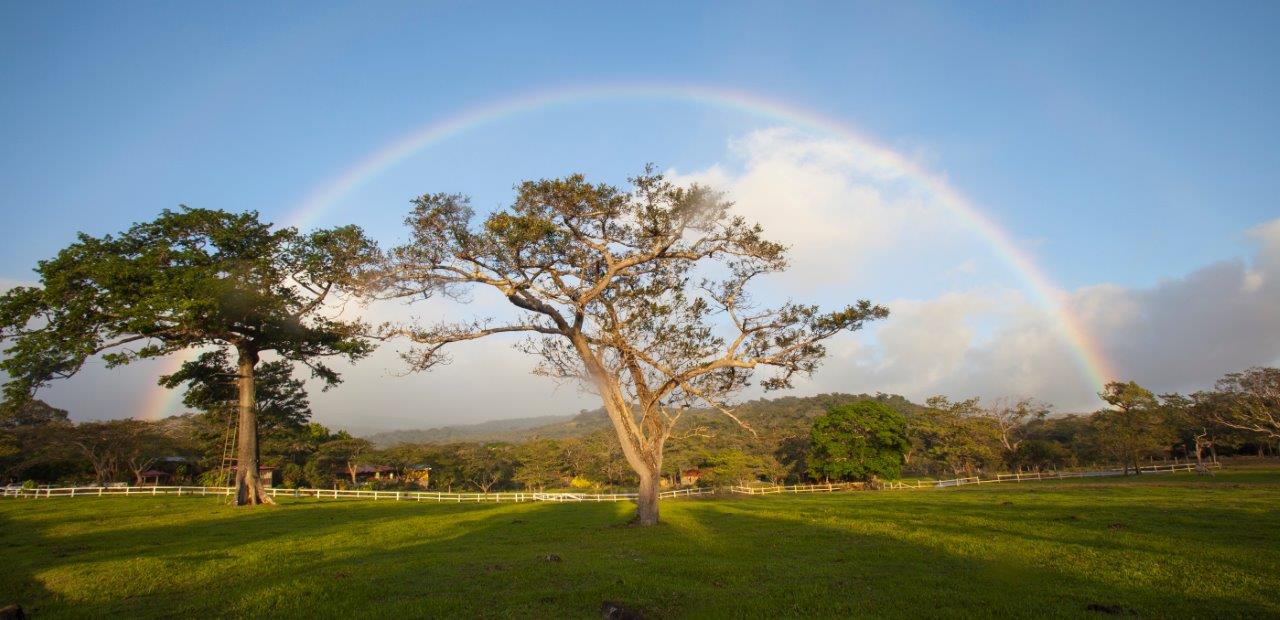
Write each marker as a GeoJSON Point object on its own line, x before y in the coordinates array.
{"type": "Point", "coordinates": [1183, 333]}
{"type": "Point", "coordinates": [839, 207]}
{"type": "Point", "coordinates": [857, 229]}
{"type": "Point", "coordinates": [1179, 335]}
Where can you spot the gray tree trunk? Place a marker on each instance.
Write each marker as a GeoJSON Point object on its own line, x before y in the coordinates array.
{"type": "Point", "coordinates": [249, 490]}
{"type": "Point", "coordinates": [647, 502]}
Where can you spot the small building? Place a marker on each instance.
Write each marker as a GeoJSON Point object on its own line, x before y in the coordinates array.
{"type": "Point", "coordinates": [154, 478]}
{"type": "Point", "coordinates": [690, 477]}
{"type": "Point", "coordinates": [418, 474]}
{"type": "Point", "coordinates": [167, 470]}
{"type": "Point", "coordinates": [367, 472]}
{"type": "Point", "coordinates": [266, 475]}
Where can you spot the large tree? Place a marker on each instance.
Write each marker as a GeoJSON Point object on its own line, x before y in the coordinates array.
{"type": "Point", "coordinates": [1134, 427]}
{"type": "Point", "coordinates": [141, 444]}
{"type": "Point", "coordinates": [1251, 401]}
{"type": "Point", "coordinates": [538, 464]}
{"type": "Point", "coordinates": [190, 279]}
{"type": "Point", "coordinates": [1010, 418]}
{"type": "Point", "coordinates": [487, 465]}
{"type": "Point", "coordinates": [954, 436]}
{"type": "Point", "coordinates": [640, 295]}
{"type": "Point", "coordinates": [859, 441]}
{"type": "Point", "coordinates": [349, 453]}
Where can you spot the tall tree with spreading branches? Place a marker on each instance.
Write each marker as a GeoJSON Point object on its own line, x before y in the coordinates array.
{"type": "Point", "coordinates": [1252, 401]}
{"type": "Point", "coordinates": [1010, 418]}
{"type": "Point", "coordinates": [1133, 427]}
{"type": "Point", "coordinates": [641, 295]}
{"type": "Point", "coordinates": [190, 279]}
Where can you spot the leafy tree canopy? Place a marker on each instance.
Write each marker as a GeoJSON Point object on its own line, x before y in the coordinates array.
{"type": "Point", "coordinates": [190, 278]}
{"type": "Point", "coordinates": [859, 441]}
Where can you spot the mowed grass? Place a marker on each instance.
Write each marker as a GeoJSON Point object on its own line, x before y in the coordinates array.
{"type": "Point", "coordinates": [1158, 546]}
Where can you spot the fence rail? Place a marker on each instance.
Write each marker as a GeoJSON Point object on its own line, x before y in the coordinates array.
{"type": "Point", "coordinates": [1149, 469]}
{"type": "Point", "coordinates": [526, 496]}
{"type": "Point", "coordinates": [798, 488]}
{"type": "Point", "coordinates": [689, 492]}
{"type": "Point", "coordinates": [418, 496]}
{"type": "Point", "coordinates": [956, 482]}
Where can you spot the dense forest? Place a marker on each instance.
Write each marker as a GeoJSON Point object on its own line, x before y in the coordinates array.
{"type": "Point", "coordinates": [38, 444]}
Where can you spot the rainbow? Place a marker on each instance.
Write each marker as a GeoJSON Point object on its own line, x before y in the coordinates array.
{"type": "Point", "coordinates": [1048, 296]}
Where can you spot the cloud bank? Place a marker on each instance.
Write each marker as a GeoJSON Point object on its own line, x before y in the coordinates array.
{"type": "Point", "coordinates": [976, 332]}
{"type": "Point", "coordinates": [961, 324]}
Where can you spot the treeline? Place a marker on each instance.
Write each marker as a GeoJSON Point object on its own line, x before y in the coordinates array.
{"type": "Point", "coordinates": [945, 438]}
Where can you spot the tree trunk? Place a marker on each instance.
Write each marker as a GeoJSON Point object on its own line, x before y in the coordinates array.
{"type": "Point", "coordinates": [249, 491]}
{"type": "Point", "coordinates": [642, 441]}
{"type": "Point", "coordinates": [101, 470]}
{"type": "Point", "coordinates": [647, 502]}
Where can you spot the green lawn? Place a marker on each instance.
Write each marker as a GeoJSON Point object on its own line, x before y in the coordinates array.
{"type": "Point", "coordinates": [1163, 545]}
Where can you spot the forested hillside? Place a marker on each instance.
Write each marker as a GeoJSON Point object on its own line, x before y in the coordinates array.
{"type": "Point", "coordinates": [772, 415]}
{"type": "Point", "coordinates": [514, 429]}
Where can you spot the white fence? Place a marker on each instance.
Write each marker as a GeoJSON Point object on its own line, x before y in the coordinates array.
{"type": "Point", "coordinates": [1091, 473]}
{"type": "Point", "coordinates": [956, 482]}
{"type": "Point", "coordinates": [413, 496]}
{"type": "Point", "coordinates": [689, 492]}
{"type": "Point", "coordinates": [798, 488]}
{"type": "Point", "coordinates": [525, 496]}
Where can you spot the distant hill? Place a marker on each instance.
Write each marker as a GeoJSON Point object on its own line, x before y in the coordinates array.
{"type": "Point", "coordinates": [493, 430]}
{"type": "Point", "coordinates": [762, 414]}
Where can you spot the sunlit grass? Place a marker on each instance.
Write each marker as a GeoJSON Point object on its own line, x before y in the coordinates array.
{"type": "Point", "coordinates": [1155, 546]}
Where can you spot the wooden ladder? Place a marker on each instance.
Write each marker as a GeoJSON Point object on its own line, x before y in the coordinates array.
{"type": "Point", "coordinates": [229, 455]}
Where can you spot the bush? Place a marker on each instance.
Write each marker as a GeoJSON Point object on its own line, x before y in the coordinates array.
{"type": "Point", "coordinates": [292, 476]}
{"type": "Point", "coordinates": [212, 478]}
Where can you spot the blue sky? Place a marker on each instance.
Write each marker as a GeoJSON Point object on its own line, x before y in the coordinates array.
{"type": "Point", "coordinates": [1122, 144]}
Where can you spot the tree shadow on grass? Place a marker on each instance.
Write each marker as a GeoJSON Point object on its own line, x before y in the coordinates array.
{"type": "Point", "coordinates": [1118, 523]}
{"type": "Point", "coordinates": [209, 552]}
{"type": "Point", "coordinates": [719, 559]}
{"type": "Point", "coordinates": [993, 569]}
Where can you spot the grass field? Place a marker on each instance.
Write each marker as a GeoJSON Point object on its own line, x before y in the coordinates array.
{"type": "Point", "coordinates": [1162, 546]}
